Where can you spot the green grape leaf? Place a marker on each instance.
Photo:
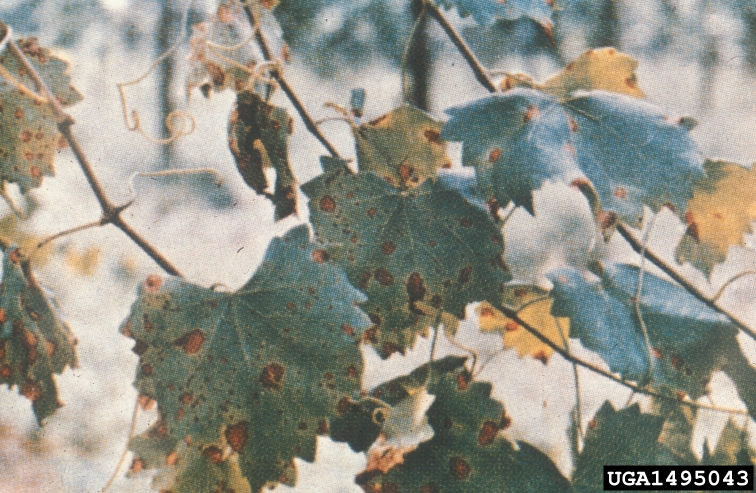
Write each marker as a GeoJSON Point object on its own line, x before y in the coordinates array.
{"type": "Point", "coordinates": [631, 153]}
{"type": "Point", "coordinates": [688, 339]}
{"type": "Point", "coordinates": [486, 12]}
{"type": "Point", "coordinates": [258, 135]}
{"type": "Point", "coordinates": [625, 437]}
{"type": "Point", "coordinates": [357, 102]}
{"type": "Point", "coordinates": [260, 370]}
{"type": "Point", "coordinates": [35, 343]}
{"type": "Point", "coordinates": [29, 140]}
{"type": "Point", "coordinates": [413, 252]}
{"type": "Point", "coordinates": [211, 67]}
{"type": "Point", "coordinates": [732, 448]}
{"type": "Point", "coordinates": [467, 453]}
{"type": "Point", "coordinates": [403, 146]}
{"type": "Point", "coordinates": [720, 213]}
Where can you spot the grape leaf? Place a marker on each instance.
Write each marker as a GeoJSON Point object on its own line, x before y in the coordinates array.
{"type": "Point", "coordinates": [258, 135]}
{"type": "Point", "coordinates": [30, 139]}
{"type": "Point", "coordinates": [357, 102]}
{"type": "Point", "coordinates": [467, 454]}
{"type": "Point", "coordinates": [403, 146]}
{"type": "Point", "coordinates": [732, 448]}
{"type": "Point", "coordinates": [631, 152]}
{"type": "Point", "coordinates": [720, 213]}
{"type": "Point", "coordinates": [603, 69]}
{"type": "Point", "coordinates": [285, 345]}
{"type": "Point", "coordinates": [182, 468]}
{"type": "Point", "coordinates": [413, 252]}
{"type": "Point", "coordinates": [625, 437]}
{"type": "Point", "coordinates": [223, 53]}
{"type": "Point", "coordinates": [522, 137]}
{"type": "Point", "coordinates": [688, 339]}
{"type": "Point", "coordinates": [34, 343]}
{"type": "Point", "coordinates": [477, 189]}
{"type": "Point", "coordinates": [533, 305]}
{"type": "Point", "coordinates": [486, 12]}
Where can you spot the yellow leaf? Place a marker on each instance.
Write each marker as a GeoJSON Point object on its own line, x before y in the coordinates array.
{"type": "Point", "coordinates": [720, 213]}
{"type": "Point", "coordinates": [603, 69]}
{"type": "Point", "coordinates": [534, 307]}
{"type": "Point", "coordinates": [404, 147]}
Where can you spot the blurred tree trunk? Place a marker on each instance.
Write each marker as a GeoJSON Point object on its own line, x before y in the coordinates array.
{"type": "Point", "coordinates": [418, 62]}
{"type": "Point", "coordinates": [608, 25]}
{"type": "Point", "coordinates": [169, 27]}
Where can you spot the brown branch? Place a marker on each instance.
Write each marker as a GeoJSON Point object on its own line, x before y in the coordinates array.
{"type": "Point", "coordinates": [513, 315]}
{"type": "Point", "coordinates": [111, 214]}
{"type": "Point", "coordinates": [287, 89]}
{"type": "Point", "coordinates": [478, 69]}
{"type": "Point", "coordinates": [637, 245]}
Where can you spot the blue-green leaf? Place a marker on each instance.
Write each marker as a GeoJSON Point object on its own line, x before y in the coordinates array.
{"type": "Point", "coordinates": [223, 366]}
{"type": "Point", "coordinates": [688, 339]}
{"type": "Point", "coordinates": [486, 12]}
{"type": "Point", "coordinates": [627, 148]}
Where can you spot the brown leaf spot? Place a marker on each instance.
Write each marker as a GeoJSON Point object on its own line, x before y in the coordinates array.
{"type": "Point", "coordinates": [343, 406]}
{"type": "Point", "coordinates": [327, 204]}
{"type": "Point", "coordinates": [371, 212]}
{"type": "Point", "coordinates": [495, 154]}
{"type": "Point", "coordinates": [272, 376]}
{"type": "Point", "coordinates": [680, 396]}
{"type": "Point", "coordinates": [531, 113]}
{"type": "Point", "coordinates": [416, 287]}
{"type": "Point", "coordinates": [541, 356]}
{"type": "Point", "coordinates": [465, 222]}
{"type": "Point", "coordinates": [180, 414]}
{"type": "Point", "coordinates": [487, 433]}
{"type": "Point", "coordinates": [620, 193]}
{"type": "Point", "coordinates": [323, 428]}
{"type": "Point", "coordinates": [26, 136]}
{"type": "Point", "coordinates": [351, 371]}
{"type": "Point", "coordinates": [459, 468]}
{"type": "Point", "coordinates": [320, 256]}
{"type": "Point", "coordinates": [631, 83]}
{"type": "Point", "coordinates": [140, 347]}
{"type": "Point", "coordinates": [676, 361]}
{"type": "Point", "coordinates": [192, 342]}
{"type": "Point", "coordinates": [511, 326]}
{"type": "Point", "coordinates": [573, 126]}
{"type": "Point", "coordinates": [19, 113]}
{"type": "Point", "coordinates": [6, 372]}
{"type": "Point", "coordinates": [171, 459]}
{"type": "Point", "coordinates": [186, 398]}
{"type": "Point", "coordinates": [153, 283]}
{"type": "Point", "coordinates": [137, 466]}
{"type": "Point", "coordinates": [430, 488]}
{"type": "Point", "coordinates": [147, 324]}
{"type": "Point", "coordinates": [32, 391]}
{"type": "Point", "coordinates": [237, 436]}
{"type": "Point", "coordinates": [388, 248]}
{"type": "Point", "coordinates": [432, 136]}
{"type": "Point", "coordinates": [3, 316]}
{"type": "Point", "coordinates": [658, 353]}
{"type": "Point", "coordinates": [146, 403]}
{"type": "Point", "coordinates": [384, 277]}
{"type": "Point", "coordinates": [213, 453]}
{"type": "Point", "coordinates": [147, 370]}
{"type": "Point", "coordinates": [406, 172]}
{"type": "Point", "coordinates": [463, 380]}
{"type": "Point", "coordinates": [465, 274]}
{"type": "Point", "coordinates": [348, 330]}
{"type": "Point", "coordinates": [606, 219]}
{"type": "Point", "coordinates": [15, 256]}
{"type": "Point", "coordinates": [592, 424]}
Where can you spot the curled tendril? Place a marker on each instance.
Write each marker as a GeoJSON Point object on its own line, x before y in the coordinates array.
{"type": "Point", "coordinates": [175, 132]}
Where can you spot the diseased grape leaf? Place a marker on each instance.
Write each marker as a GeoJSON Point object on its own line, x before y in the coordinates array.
{"type": "Point", "coordinates": [676, 434]}
{"type": "Point", "coordinates": [258, 135]}
{"type": "Point", "coordinates": [403, 146]}
{"type": "Point", "coordinates": [413, 252]}
{"type": "Point", "coordinates": [520, 139]}
{"type": "Point", "coordinates": [476, 188]}
{"type": "Point", "coordinates": [603, 69]}
{"type": "Point", "coordinates": [29, 139]}
{"type": "Point", "coordinates": [467, 453]}
{"type": "Point", "coordinates": [533, 305]}
{"type": "Point", "coordinates": [631, 153]}
{"type": "Point", "coordinates": [688, 340]}
{"type": "Point", "coordinates": [486, 12]}
{"type": "Point", "coordinates": [625, 437]}
{"type": "Point", "coordinates": [34, 343]}
{"type": "Point", "coordinates": [260, 370]}
{"type": "Point", "coordinates": [732, 448]}
{"type": "Point", "coordinates": [720, 213]}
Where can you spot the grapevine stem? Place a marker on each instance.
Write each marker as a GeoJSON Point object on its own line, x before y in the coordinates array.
{"type": "Point", "coordinates": [637, 245]}
{"type": "Point", "coordinates": [111, 214]}
{"type": "Point", "coordinates": [576, 375]}
{"type": "Point", "coordinates": [276, 73]}
{"type": "Point", "coordinates": [637, 300]}
{"type": "Point", "coordinates": [512, 314]}
{"type": "Point", "coordinates": [68, 232]}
